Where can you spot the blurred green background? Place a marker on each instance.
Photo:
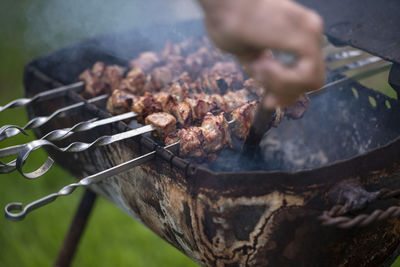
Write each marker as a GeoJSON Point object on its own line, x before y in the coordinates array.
{"type": "Point", "coordinates": [32, 28]}
{"type": "Point", "coordinates": [29, 29]}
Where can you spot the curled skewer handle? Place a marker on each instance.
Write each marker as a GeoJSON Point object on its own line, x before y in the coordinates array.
{"type": "Point", "coordinates": [42, 96]}
{"type": "Point", "coordinates": [40, 121]}
{"type": "Point", "coordinates": [24, 154]}
{"type": "Point", "coordinates": [60, 134]}
{"type": "Point", "coordinates": [15, 211]}
{"type": "Point", "coordinates": [10, 130]}
{"type": "Point", "coordinates": [73, 147]}
{"type": "Point", "coordinates": [11, 210]}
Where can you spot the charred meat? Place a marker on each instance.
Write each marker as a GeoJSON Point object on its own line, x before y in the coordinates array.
{"type": "Point", "coordinates": [216, 133]}
{"type": "Point", "coordinates": [243, 117]}
{"type": "Point", "coordinates": [146, 105]}
{"type": "Point", "coordinates": [163, 122]}
{"type": "Point", "coordinates": [189, 85]}
{"type": "Point", "coordinates": [101, 79]}
{"type": "Point", "coordinates": [191, 140]}
{"type": "Point", "coordinates": [134, 81]}
{"type": "Point", "coordinates": [120, 102]}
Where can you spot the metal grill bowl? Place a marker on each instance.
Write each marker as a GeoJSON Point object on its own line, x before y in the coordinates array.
{"type": "Point", "coordinates": [260, 216]}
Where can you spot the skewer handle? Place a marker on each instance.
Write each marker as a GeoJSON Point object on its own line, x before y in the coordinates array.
{"type": "Point", "coordinates": [15, 211]}
{"type": "Point", "coordinates": [21, 102]}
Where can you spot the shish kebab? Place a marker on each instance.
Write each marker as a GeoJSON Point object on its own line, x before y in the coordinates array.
{"type": "Point", "coordinates": [102, 79]}
{"type": "Point", "coordinates": [63, 133]}
{"type": "Point", "coordinates": [12, 130]}
{"type": "Point", "coordinates": [130, 81]}
{"type": "Point", "coordinates": [15, 211]}
{"type": "Point", "coordinates": [79, 86]}
{"type": "Point", "coordinates": [193, 148]}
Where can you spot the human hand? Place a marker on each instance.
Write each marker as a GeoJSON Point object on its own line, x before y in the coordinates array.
{"type": "Point", "coordinates": [250, 28]}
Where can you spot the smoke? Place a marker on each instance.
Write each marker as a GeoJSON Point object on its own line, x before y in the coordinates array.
{"type": "Point", "coordinates": [56, 23]}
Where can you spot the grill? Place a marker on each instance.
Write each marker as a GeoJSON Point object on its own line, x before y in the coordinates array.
{"type": "Point", "coordinates": [253, 214]}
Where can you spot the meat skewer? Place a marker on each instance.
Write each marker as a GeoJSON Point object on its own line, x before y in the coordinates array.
{"type": "Point", "coordinates": [152, 128]}
{"type": "Point", "coordinates": [12, 130]}
{"type": "Point", "coordinates": [212, 136]}
{"type": "Point", "coordinates": [79, 86]}
{"type": "Point", "coordinates": [60, 134]}
{"type": "Point", "coordinates": [15, 211]}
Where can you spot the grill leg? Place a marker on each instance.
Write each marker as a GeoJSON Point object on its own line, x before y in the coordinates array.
{"type": "Point", "coordinates": [76, 229]}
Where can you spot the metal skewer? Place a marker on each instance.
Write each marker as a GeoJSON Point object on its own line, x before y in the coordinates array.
{"type": "Point", "coordinates": [355, 77]}
{"type": "Point", "coordinates": [248, 148]}
{"type": "Point", "coordinates": [358, 64]}
{"type": "Point", "coordinates": [73, 147]}
{"type": "Point", "coordinates": [60, 134]}
{"type": "Point", "coordinates": [12, 208]}
{"type": "Point", "coordinates": [12, 130]}
{"type": "Point", "coordinates": [22, 102]}
{"type": "Point", "coordinates": [343, 55]}
{"type": "Point", "coordinates": [78, 86]}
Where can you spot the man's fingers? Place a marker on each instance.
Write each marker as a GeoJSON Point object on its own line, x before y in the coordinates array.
{"type": "Point", "coordinates": [286, 82]}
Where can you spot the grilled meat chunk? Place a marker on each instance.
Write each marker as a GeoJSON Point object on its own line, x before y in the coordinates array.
{"type": "Point", "coordinates": [93, 85]}
{"type": "Point", "coordinates": [183, 113]}
{"type": "Point", "coordinates": [158, 79]}
{"type": "Point", "coordinates": [253, 87]}
{"type": "Point", "coordinates": [179, 90]}
{"type": "Point", "coordinates": [120, 102]}
{"type": "Point", "coordinates": [134, 81]}
{"type": "Point", "coordinates": [175, 64]}
{"type": "Point", "coordinates": [196, 61]}
{"type": "Point", "coordinates": [219, 102]}
{"type": "Point", "coordinates": [216, 134]}
{"type": "Point", "coordinates": [221, 77]}
{"type": "Point", "coordinates": [211, 137]}
{"type": "Point", "coordinates": [173, 137]}
{"type": "Point", "coordinates": [191, 140]}
{"type": "Point", "coordinates": [112, 77]}
{"type": "Point", "coordinates": [200, 107]}
{"type": "Point", "coordinates": [166, 101]}
{"type": "Point", "coordinates": [145, 106]}
{"type": "Point", "coordinates": [230, 73]}
{"type": "Point", "coordinates": [146, 61]}
{"type": "Point", "coordinates": [163, 122]}
{"type": "Point", "coordinates": [101, 79]}
{"type": "Point", "coordinates": [236, 99]}
{"type": "Point", "coordinates": [243, 117]}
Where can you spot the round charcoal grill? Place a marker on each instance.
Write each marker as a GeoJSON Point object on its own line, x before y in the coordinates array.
{"type": "Point", "coordinates": [301, 197]}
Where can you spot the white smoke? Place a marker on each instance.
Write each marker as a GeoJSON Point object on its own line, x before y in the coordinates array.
{"type": "Point", "coordinates": [55, 23]}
